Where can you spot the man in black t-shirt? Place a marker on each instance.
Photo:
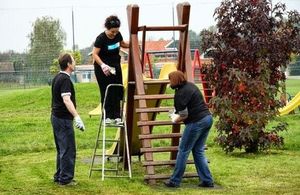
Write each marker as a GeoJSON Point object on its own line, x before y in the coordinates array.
{"type": "Point", "coordinates": [107, 66]}
{"type": "Point", "coordinates": [62, 114]}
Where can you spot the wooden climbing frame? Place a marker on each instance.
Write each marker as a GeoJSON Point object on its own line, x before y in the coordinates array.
{"type": "Point", "coordinates": [145, 104]}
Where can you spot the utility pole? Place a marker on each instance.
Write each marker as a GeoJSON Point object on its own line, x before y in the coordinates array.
{"type": "Point", "coordinates": [73, 30]}
{"type": "Point", "coordinates": [174, 46]}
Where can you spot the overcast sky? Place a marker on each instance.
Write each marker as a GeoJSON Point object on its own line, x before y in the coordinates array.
{"type": "Point", "coordinates": [17, 17]}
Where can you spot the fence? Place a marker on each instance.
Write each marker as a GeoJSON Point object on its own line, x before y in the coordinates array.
{"type": "Point", "coordinates": [24, 79]}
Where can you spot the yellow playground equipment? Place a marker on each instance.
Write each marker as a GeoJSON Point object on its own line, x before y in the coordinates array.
{"type": "Point", "coordinates": [292, 105]}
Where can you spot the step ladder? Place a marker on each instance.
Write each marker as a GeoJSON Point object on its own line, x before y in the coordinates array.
{"type": "Point", "coordinates": [102, 142]}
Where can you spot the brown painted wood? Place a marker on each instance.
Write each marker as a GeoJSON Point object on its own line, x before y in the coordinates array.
{"type": "Point", "coordinates": [174, 141]}
{"type": "Point", "coordinates": [184, 59]}
{"type": "Point", "coordinates": [160, 149]}
{"type": "Point", "coordinates": [164, 162]}
{"type": "Point", "coordinates": [136, 70]}
{"type": "Point", "coordinates": [154, 97]}
{"type": "Point", "coordinates": [160, 136]}
{"type": "Point", "coordinates": [163, 28]}
{"type": "Point", "coordinates": [154, 109]}
{"type": "Point", "coordinates": [154, 123]}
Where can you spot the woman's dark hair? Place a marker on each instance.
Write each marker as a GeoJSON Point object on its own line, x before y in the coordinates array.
{"type": "Point", "coordinates": [112, 22]}
{"type": "Point", "coordinates": [64, 59]}
{"type": "Point", "coordinates": [177, 79]}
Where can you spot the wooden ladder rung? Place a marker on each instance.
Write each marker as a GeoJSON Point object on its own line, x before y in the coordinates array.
{"type": "Point", "coordinates": [160, 149]}
{"type": "Point", "coordinates": [181, 27]}
{"type": "Point", "coordinates": [153, 97]}
{"type": "Point", "coordinates": [160, 136]}
{"type": "Point", "coordinates": [155, 123]}
{"type": "Point", "coordinates": [165, 162]}
{"type": "Point", "coordinates": [165, 176]}
{"type": "Point", "coordinates": [153, 109]}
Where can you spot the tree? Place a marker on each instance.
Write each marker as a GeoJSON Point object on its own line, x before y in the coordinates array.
{"type": "Point", "coordinates": [251, 45]}
{"type": "Point", "coordinates": [54, 68]}
{"type": "Point", "coordinates": [47, 39]}
{"type": "Point", "coordinates": [194, 40]}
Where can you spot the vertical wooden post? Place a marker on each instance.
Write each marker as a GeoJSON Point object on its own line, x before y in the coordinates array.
{"type": "Point", "coordinates": [135, 70]}
{"type": "Point", "coordinates": [184, 60]}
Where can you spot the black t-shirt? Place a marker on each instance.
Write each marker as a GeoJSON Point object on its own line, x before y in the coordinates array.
{"type": "Point", "coordinates": [189, 96]}
{"type": "Point", "coordinates": [62, 85]}
{"type": "Point", "coordinates": [109, 49]}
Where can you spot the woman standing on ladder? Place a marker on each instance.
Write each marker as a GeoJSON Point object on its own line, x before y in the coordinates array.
{"type": "Point", "coordinates": [107, 67]}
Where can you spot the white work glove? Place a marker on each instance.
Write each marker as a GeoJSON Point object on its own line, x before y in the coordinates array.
{"type": "Point", "coordinates": [174, 117]}
{"type": "Point", "coordinates": [112, 70]}
{"type": "Point", "coordinates": [172, 111]}
{"type": "Point", "coordinates": [79, 123]}
{"type": "Point", "coordinates": [106, 69]}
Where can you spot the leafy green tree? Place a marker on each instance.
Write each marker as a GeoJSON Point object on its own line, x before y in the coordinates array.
{"type": "Point", "coordinates": [54, 68]}
{"type": "Point", "coordinates": [47, 39]}
{"type": "Point", "coordinates": [194, 40]}
{"type": "Point", "coordinates": [252, 43]}
{"type": "Point", "coordinates": [77, 57]}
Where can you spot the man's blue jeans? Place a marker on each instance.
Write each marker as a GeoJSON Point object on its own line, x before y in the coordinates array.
{"type": "Point", "coordinates": [193, 138]}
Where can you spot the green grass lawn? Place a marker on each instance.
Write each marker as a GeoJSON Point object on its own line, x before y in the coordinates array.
{"type": "Point", "coordinates": [27, 154]}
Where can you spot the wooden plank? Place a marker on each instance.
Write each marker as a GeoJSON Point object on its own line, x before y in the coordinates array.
{"type": "Point", "coordinates": [155, 123]}
{"type": "Point", "coordinates": [133, 18]}
{"type": "Point", "coordinates": [163, 28]}
{"type": "Point", "coordinates": [165, 176]}
{"type": "Point", "coordinates": [140, 89]}
{"type": "Point", "coordinates": [164, 162]}
{"type": "Point", "coordinates": [160, 149]}
{"type": "Point", "coordinates": [154, 109]}
{"type": "Point", "coordinates": [184, 58]}
{"type": "Point", "coordinates": [154, 97]}
{"type": "Point", "coordinates": [174, 141]}
{"type": "Point", "coordinates": [160, 136]}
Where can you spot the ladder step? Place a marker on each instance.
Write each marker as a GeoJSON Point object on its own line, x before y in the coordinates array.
{"type": "Point", "coordinates": [116, 176]}
{"type": "Point", "coordinates": [160, 136]}
{"type": "Point", "coordinates": [160, 163]}
{"type": "Point", "coordinates": [154, 97]}
{"type": "Point", "coordinates": [154, 109]}
{"type": "Point", "coordinates": [182, 27]}
{"type": "Point", "coordinates": [160, 149]}
{"type": "Point", "coordinates": [154, 123]}
{"type": "Point", "coordinates": [165, 176]}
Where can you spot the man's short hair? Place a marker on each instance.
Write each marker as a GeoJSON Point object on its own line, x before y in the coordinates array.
{"type": "Point", "coordinates": [63, 60]}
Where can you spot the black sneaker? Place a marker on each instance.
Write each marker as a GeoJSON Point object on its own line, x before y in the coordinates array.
{"type": "Point", "coordinates": [206, 185]}
{"type": "Point", "coordinates": [171, 184]}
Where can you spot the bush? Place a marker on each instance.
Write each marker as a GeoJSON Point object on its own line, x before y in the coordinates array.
{"type": "Point", "coordinates": [253, 43]}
